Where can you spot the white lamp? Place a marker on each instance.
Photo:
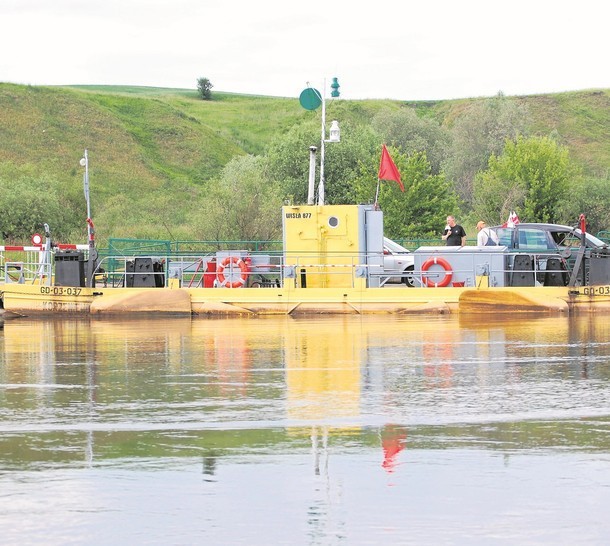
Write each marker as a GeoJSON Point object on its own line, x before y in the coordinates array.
{"type": "Point", "coordinates": [335, 132]}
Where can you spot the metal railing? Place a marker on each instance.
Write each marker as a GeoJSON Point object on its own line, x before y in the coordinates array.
{"type": "Point", "coordinates": [231, 269]}
{"type": "Point", "coordinates": [236, 269]}
{"type": "Point", "coordinates": [31, 265]}
{"type": "Point", "coordinates": [123, 247]}
{"type": "Point", "coordinates": [604, 235]}
{"type": "Point", "coordinates": [244, 268]}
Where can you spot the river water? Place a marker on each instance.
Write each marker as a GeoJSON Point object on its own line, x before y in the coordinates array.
{"type": "Point", "coordinates": [325, 430]}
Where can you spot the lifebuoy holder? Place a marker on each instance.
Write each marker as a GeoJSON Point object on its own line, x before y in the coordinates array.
{"type": "Point", "coordinates": [435, 260]}
{"type": "Point", "coordinates": [233, 281]}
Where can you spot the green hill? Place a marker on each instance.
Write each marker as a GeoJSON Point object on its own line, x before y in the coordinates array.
{"type": "Point", "coordinates": [149, 147]}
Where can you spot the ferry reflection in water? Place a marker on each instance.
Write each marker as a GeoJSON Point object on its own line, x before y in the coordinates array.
{"type": "Point", "coordinates": [322, 430]}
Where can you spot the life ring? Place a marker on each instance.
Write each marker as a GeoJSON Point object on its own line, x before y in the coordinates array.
{"type": "Point", "coordinates": [236, 262]}
{"type": "Point", "coordinates": [444, 264]}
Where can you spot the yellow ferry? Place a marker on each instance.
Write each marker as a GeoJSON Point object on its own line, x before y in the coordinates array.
{"type": "Point", "coordinates": [332, 262]}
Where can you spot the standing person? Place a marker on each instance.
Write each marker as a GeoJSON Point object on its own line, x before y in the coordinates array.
{"type": "Point", "coordinates": [454, 234]}
{"type": "Point", "coordinates": [486, 236]}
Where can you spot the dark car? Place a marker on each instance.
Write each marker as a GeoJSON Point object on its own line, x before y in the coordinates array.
{"type": "Point", "coordinates": [539, 238]}
{"type": "Point", "coordinates": [545, 242]}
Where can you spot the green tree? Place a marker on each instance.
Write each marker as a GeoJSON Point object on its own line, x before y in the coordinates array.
{"type": "Point", "coordinates": [243, 204]}
{"type": "Point", "coordinates": [204, 87]}
{"type": "Point", "coordinates": [289, 160]}
{"type": "Point", "coordinates": [591, 197]}
{"type": "Point", "coordinates": [478, 133]}
{"type": "Point", "coordinates": [28, 202]}
{"type": "Point", "coordinates": [421, 209]}
{"type": "Point", "coordinates": [409, 133]}
{"type": "Point", "coordinates": [531, 176]}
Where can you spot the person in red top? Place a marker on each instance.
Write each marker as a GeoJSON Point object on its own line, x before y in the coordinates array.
{"type": "Point", "coordinates": [454, 234]}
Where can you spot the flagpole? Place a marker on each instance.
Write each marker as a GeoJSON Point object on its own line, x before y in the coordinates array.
{"type": "Point", "coordinates": [92, 258]}
{"type": "Point", "coordinates": [85, 163]}
{"type": "Point", "coordinates": [377, 192]}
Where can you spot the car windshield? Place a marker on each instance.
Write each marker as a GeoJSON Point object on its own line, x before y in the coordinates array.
{"type": "Point", "coordinates": [572, 239]}
{"type": "Point", "coordinates": [592, 240]}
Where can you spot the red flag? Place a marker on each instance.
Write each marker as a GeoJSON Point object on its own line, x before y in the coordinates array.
{"type": "Point", "coordinates": [388, 170]}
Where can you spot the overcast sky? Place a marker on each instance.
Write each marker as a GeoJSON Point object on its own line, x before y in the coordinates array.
{"type": "Point", "coordinates": [399, 49]}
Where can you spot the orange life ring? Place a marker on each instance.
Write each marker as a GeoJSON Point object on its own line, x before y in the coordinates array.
{"type": "Point", "coordinates": [237, 262]}
{"type": "Point", "coordinates": [444, 264]}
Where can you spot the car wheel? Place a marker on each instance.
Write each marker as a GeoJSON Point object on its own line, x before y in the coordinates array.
{"type": "Point", "coordinates": [409, 278]}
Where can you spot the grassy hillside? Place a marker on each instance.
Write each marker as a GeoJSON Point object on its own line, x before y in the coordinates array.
{"type": "Point", "coordinates": [582, 121]}
{"type": "Point", "coordinates": [579, 119]}
{"type": "Point", "coordinates": [148, 146]}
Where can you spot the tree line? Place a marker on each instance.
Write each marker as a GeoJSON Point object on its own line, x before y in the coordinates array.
{"type": "Point", "coordinates": [482, 166]}
{"type": "Point", "coordinates": [478, 166]}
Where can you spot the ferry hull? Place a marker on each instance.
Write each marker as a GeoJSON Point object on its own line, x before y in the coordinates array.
{"type": "Point", "coordinates": [36, 299]}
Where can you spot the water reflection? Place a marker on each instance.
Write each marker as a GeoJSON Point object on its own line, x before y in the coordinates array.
{"type": "Point", "coordinates": [351, 402]}
{"type": "Point", "coordinates": [267, 382]}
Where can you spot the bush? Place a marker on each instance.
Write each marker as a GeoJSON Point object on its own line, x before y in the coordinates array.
{"type": "Point", "coordinates": [29, 202]}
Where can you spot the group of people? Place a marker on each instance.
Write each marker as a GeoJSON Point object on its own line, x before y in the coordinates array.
{"type": "Point", "coordinates": [455, 235]}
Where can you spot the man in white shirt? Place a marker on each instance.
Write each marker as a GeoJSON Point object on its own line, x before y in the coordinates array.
{"type": "Point", "coordinates": [486, 236]}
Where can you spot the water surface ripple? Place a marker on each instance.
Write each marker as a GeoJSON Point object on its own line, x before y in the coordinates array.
{"type": "Point", "coordinates": [325, 430]}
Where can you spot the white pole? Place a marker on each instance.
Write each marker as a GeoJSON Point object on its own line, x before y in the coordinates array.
{"type": "Point", "coordinates": [312, 175]}
{"type": "Point", "coordinates": [46, 268]}
{"type": "Point", "coordinates": [85, 163]}
{"type": "Point", "coordinates": [91, 259]}
{"type": "Point", "coordinates": [321, 186]}
{"type": "Point", "coordinates": [377, 193]}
